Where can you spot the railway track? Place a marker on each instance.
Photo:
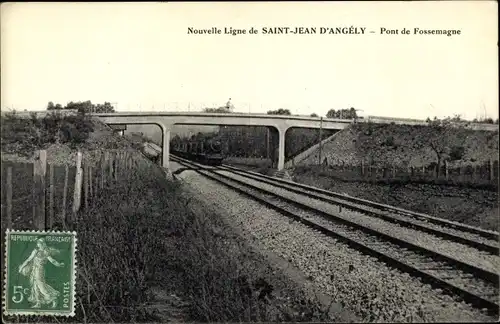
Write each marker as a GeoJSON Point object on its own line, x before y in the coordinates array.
{"type": "Point", "coordinates": [480, 239]}
{"type": "Point", "coordinates": [463, 280]}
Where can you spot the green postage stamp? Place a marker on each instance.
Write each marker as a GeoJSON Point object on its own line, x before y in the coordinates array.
{"type": "Point", "coordinates": [40, 270]}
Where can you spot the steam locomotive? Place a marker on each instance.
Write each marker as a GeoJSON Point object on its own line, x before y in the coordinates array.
{"type": "Point", "coordinates": [205, 151]}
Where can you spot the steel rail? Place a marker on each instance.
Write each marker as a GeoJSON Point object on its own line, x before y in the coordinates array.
{"type": "Point", "coordinates": [344, 201]}
{"type": "Point", "coordinates": [436, 220]}
{"type": "Point", "coordinates": [449, 288]}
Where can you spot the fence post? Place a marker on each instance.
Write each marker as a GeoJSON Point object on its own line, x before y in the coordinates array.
{"type": "Point", "coordinates": [65, 195]}
{"type": "Point", "coordinates": [50, 218]}
{"type": "Point", "coordinates": [110, 165]}
{"type": "Point", "coordinates": [39, 173]}
{"type": "Point", "coordinates": [97, 180]}
{"type": "Point", "coordinates": [102, 169]}
{"type": "Point", "coordinates": [86, 186]}
{"type": "Point", "coordinates": [446, 169]}
{"type": "Point", "coordinates": [8, 199]}
{"type": "Point", "coordinates": [393, 171]}
{"type": "Point", "coordinates": [116, 166]}
{"type": "Point", "coordinates": [90, 183]}
{"type": "Point", "coordinates": [492, 170]}
{"type": "Point", "coordinates": [77, 194]}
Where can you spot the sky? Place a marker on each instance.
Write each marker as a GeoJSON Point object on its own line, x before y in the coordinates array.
{"type": "Point", "coordinates": [139, 56]}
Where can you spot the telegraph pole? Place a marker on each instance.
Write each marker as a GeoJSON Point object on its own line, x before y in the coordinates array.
{"type": "Point", "coordinates": [320, 137]}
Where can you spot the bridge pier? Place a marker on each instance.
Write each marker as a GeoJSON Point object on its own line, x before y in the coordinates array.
{"type": "Point", "coordinates": [281, 148]}
{"type": "Point", "coordinates": [165, 161]}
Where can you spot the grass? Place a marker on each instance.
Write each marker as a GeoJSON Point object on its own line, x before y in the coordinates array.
{"type": "Point", "coordinates": [141, 232]}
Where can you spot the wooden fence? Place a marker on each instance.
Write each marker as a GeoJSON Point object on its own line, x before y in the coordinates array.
{"type": "Point", "coordinates": [40, 195]}
{"type": "Point", "coordinates": [480, 174]}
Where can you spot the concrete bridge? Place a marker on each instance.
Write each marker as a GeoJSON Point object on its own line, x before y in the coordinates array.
{"type": "Point", "coordinates": [166, 120]}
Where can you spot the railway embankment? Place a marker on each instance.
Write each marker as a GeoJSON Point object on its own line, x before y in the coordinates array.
{"type": "Point", "coordinates": [406, 145]}
{"type": "Point", "coordinates": [148, 251]}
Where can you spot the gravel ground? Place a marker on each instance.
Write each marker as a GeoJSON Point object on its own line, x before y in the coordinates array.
{"type": "Point", "coordinates": [470, 206]}
{"type": "Point", "coordinates": [360, 283]}
{"type": "Point", "coordinates": [455, 250]}
{"type": "Point", "coordinates": [421, 222]}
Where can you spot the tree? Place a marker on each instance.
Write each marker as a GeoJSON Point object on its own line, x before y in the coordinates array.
{"type": "Point", "coordinates": [280, 111]}
{"type": "Point", "coordinates": [83, 107]}
{"type": "Point", "coordinates": [314, 115]}
{"type": "Point", "coordinates": [104, 108]}
{"type": "Point", "coordinates": [445, 137]}
{"type": "Point", "coordinates": [331, 113]}
{"type": "Point", "coordinates": [342, 114]}
{"type": "Point", "coordinates": [222, 110]}
{"type": "Point", "coordinates": [80, 106]}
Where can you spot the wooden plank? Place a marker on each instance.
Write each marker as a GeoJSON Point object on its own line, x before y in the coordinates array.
{"type": "Point", "coordinates": [95, 186]}
{"type": "Point", "coordinates": [86, 186]}
{"type": "Point", "coordinates": [65, 195]}
{"type": "Point", "coordinates": [77, 195]}
{"type": "Point", "coordinates": [50, 215]}
{"type": "Point", "coordinates": [8, 189]}
{"type": "Point", "coordinates": [39, 173]}
{"type": "Point", "coordinates": [90, 183]}
{"type": "Point", "coordinates": [492, 170]}
{"type": "Point", "coordinates": [103, 169]}
{"type": "Point", "coordinates": [111, 158]}
{"type": "Point", "coordinates": [116, 165]}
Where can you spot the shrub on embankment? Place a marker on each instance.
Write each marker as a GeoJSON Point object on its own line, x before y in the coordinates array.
{"type": "Point", "coordinates": [22, 135]}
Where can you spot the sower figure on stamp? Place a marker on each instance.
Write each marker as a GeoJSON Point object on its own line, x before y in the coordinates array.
{"type": "Point", "coordinates": [33, 268]}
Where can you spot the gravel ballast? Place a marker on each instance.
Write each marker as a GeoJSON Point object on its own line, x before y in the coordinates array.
{"type": "Point", "coordinates": [360, 283]}
{"type": "Point", "coordinates": [401, 217]}
{"type": "Point", "coordinates": [452, 249]}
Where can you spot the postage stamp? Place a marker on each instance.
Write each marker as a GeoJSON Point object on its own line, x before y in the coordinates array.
{"type": "Point", "coordinates": [40, 271]}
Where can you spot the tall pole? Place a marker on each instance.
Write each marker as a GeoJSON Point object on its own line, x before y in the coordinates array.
{"type": "Point", "coordinates": [320, 137]}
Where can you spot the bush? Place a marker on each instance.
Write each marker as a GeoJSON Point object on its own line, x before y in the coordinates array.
{"type": "Point", "coordinates": [389, 141]}
{"type": "Point", "coordinates": [23, 135]}
{"type": "Point", "coordinates": [457, 153]}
